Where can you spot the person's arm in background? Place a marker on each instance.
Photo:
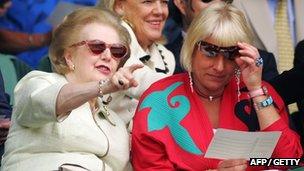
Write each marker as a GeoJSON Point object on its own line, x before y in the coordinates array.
{"type": "Point", "coordinates": [289, 84]}
{"type": "Point", "coordinates": [16, 42]}
{"type": "Point", "coordinates": [5, 112]}
{"type": "Point", "coordinates": [299, 54]}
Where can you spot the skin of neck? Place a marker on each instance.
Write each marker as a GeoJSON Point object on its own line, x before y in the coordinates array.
{"type": "Point", "coordinates": [144, 45]}
{"type": "Point", "coordinates": [206, 91]}
{"type": "Point", "coordinates": [143, 42]}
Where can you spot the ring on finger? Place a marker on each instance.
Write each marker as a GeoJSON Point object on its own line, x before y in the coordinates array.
{"type": "Point", "coordinates": [120, 82]}
{"type": "Point", "coordinates": [259, 62]}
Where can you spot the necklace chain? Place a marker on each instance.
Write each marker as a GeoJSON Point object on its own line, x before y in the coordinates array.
{"type": "Point", "coordinates": [209, 97]}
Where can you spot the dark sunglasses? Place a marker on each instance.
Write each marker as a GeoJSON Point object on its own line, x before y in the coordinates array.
{"type": "Point", "coordinates": [97, 47]}
{"type": "Point", "coordinates": [211, 50]}
{"type": "Point", "coordinates": [206, 1]}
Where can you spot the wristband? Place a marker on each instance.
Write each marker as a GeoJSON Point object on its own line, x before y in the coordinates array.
{"type": "Point", "coordinates": [265, 103]}
{"type": "Point", "coordinates": [258, 92]}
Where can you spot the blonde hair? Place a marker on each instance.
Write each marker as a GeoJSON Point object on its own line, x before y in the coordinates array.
{"type": "Point", "coordinates": [222, 22]}
{"type": "Point", "coordinates": [67, 33]}
{"type": "Point", "coordinates": [106, 4]}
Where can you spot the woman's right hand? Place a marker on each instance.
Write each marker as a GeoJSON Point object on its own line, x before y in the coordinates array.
{"type": "Point", "coordinates": [251, 72]}
{"type": "Point", "coordinates": [232, 165]}
{"type": "Point", "coordinates": [123, 78]}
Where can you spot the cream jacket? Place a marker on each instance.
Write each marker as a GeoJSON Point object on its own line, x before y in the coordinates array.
{"type": "Point", "coordinates": [37, 141]}
{"type": "Point", "coordinates": [124, 103]}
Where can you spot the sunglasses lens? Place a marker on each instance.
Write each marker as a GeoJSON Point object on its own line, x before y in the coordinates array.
{"type": "Point", "coordinates": [206, 1]}
{"type": "Point", "coordinates": [118, 51]}
{"type": "Point", "coordinates": [97, 48]}
{"type": "Point", "coordinates": [210, 53]}
{"type": "Point", "coordinates": [208, 50]}
{"type": "Point", "coordinates": [233, 54]}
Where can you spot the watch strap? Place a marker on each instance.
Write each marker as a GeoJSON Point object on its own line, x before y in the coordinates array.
{"type": "Point", "coordinates": [265, 103]}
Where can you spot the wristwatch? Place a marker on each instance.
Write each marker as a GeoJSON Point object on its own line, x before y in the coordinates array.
{"type": "Point", "coordinates": [265, 103]}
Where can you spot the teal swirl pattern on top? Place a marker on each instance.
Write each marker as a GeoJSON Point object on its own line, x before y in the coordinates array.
{"type": "Point", "coordinates": [163, 114]}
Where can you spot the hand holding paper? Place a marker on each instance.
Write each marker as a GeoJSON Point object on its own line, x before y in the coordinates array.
{"type": "Point", "coordinates": [231, 144]}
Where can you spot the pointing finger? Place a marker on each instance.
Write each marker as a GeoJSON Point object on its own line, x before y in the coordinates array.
{"type": "Point", "coordinates": [134, 67]}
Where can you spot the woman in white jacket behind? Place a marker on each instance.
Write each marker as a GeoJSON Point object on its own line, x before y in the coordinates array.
{"type": "Point", "coordinates": [144, 21]}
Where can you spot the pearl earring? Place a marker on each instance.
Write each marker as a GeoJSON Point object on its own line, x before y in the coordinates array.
{"type": "Point", "coordinates": [73, 67]}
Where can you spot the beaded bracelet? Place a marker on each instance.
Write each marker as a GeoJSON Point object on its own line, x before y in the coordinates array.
{"type": "Point", "coordinates": [101, 83]}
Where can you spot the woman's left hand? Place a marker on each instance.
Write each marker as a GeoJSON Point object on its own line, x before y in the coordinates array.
{"type": "Point", "coordinates": [251, 65]}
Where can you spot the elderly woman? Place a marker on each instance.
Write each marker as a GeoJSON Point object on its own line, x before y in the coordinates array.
{"type": "Point", "coordinates": [61, 119]}
{"type": "Point", "coordinates": [177, 116]}
{"type": "Point", "coordinates": [145, 21]}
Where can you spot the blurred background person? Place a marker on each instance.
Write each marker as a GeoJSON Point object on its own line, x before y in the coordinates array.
{"type": "Point", "coordinates": [5, 112]}
{"type": "Point", "coordinates": [4, 7]}
{"type": "Point", "coordinates": [5, 108]}
{"type": "Point", "coordinates": [144, 21]}
{"type": "Point", "coordinates": [5, 115]}
{"type": "Point", "coordinates": [297, 117]}
{"type": "Point", "coordinates": [181, 14]}
{"type": "Point", "coordinates": [177, 116]}
{"type": "Point", "coordinates": [299, 63]}
{"type": "Point", "coordinates": [267, 25]}
{"type": "Point", "coordinates": [61, 119]}
{"type": "Point", "coordinates": [25, 31]}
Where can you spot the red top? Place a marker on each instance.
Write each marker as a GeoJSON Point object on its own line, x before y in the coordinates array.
{"type": "Point", "coordinates": [171, 129]}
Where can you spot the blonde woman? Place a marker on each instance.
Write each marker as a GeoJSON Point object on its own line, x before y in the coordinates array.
{"type": "Point", "coordinates": [177, 116]}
